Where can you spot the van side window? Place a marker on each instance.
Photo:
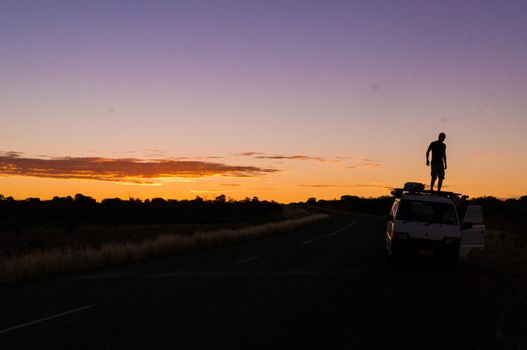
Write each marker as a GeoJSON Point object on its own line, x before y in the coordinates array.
{"type": "Point", "coordinates": [474, 215]}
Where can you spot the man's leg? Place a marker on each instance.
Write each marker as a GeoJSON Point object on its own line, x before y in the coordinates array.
{"type": "Point", "coordinates": [440, 176]}
{"type": "Point", "coordinates": [432, 183]}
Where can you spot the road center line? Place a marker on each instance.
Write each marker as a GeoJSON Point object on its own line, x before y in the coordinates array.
{"type": "Point", "coordinates": [334, 233]}
{"type": "Point", "coordinates": [245, 260]}
{"type": "Point", "coordinates": [46, 319]}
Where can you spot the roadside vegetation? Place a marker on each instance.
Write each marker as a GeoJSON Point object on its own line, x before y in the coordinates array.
{"type": "Point", "coordinates": [80, 221]}
{"type": "Point", "coordinates": [47, 262]}
{"type": "Point", "coordinates": [39, 238]}
{"type": "Point", "coordinates": [70, 213]}
{"type": "Point", "coordinates": [505, 257]}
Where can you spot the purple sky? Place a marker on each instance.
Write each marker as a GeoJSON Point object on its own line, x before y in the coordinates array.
{"type": "Point", "coordinates": [315, 78]}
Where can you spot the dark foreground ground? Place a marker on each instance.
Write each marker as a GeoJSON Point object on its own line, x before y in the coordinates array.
{"type": "Point", "coordinates": [325, 287]}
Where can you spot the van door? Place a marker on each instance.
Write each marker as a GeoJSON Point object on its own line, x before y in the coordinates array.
{"type": "Point", "coordinates": [472, 231]}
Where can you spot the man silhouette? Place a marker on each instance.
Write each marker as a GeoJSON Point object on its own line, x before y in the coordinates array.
{"type": "Point", "coordinates": [438, 149]}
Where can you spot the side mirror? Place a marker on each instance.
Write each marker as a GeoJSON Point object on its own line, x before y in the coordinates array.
{"type": "Point", "coordinates": [466, 226]}
{"type": "Point", "coordinates": [390, 218]}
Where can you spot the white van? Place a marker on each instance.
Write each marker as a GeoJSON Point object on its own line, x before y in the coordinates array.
{"type": "Point", "coordinates": [425, 223]}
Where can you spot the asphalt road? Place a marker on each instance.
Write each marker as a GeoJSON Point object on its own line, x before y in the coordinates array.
{"type": "Point", "coordinates": [328, 286]}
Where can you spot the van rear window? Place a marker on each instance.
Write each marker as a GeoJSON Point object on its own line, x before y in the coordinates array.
{"type": "Point", "coordinates": [429, 212]}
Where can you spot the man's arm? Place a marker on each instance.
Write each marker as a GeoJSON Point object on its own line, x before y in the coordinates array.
{"type": "Point", "coordinates": [427, 154]}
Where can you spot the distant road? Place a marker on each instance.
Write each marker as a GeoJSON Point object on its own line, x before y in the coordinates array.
{"type": "Point", "coordinates": [328, 286]}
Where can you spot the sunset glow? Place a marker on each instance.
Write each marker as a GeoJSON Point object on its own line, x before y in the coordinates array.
{"type": "Point", "coordinates": [279, 100]}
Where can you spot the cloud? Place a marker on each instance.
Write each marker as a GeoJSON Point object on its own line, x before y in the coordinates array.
{"type": "Point", "coordinates": [369, 165]}
{"type": "Point", "coordinates": [154, 153]}
{"type": "Point", "coordinates": [208, 158]}
{"type": "Point", "coordinates": [359, 185]}
{"type": "Point", "coordinates": [131, 170]}
{"type": "Point", "coordinates": [366, 165]}
{"type": "Point", "coordinates": [357, 161]}
{"type": "Point", "coordinates": [11, 154]}
{"type": "Point", "coordinates": [249, 154]}
{"type": "Point", "coordinates": [160, 154]}
{"type": "Point", "coordinates": [259, 155]}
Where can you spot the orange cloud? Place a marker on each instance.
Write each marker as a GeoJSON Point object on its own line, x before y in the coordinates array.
{"type": "Point", "coordinates": [258, 155]}
{"type": "Point", "coordinates": [370, 165]}
{"type": "Point", "coordinates": [375, 185]}
{"type": "Point", "coordinates": [121, 169]}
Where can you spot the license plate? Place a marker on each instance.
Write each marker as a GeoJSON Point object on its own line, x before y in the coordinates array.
{"type": "Point", "coordinates": [425, 252]}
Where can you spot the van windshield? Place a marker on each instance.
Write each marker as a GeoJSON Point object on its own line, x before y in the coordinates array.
{"type": "Point", "coordinates": [429, 212]}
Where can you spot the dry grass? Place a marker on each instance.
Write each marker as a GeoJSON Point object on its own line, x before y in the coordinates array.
{"type": "Point", "coordinates": [506, 262]}
{"type": "Point", "coordinates": [48, 262]}
{"type": "Point", "coordinates": [502, 253]}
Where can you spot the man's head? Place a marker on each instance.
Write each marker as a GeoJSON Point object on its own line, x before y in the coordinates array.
{"type": "Point", "coordinates": [442, 137]}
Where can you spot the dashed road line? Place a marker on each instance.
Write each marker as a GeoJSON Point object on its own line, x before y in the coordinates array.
{"type": "Point", "coordinates": [62, 314]}
{"type": "Point", "coordinates": [334, 233]}
{"type": "Point", "coordinates": [246, 260]}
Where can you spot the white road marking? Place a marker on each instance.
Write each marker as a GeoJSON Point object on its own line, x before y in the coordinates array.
{"type": "Point", "coordinates": [334, 233]}
{"type": "Point", "coordinates": [245, 260]}
{"type": "Point", "coordinates": [46, 319]}
{"type": "Point", "coordinates": [270, 273]}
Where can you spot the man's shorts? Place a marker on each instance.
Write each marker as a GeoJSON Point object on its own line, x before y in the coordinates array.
{"type": "Point", "coordinates": [438, 171]}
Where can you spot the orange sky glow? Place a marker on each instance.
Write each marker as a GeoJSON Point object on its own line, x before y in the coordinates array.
{"type": "Point", "coordinates": [279, 100]}
{"type": "Point", "coordinates": [280, 177]}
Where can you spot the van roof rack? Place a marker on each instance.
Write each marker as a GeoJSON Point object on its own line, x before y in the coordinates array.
{"type": "Point", "coordinates": [398, 193]}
